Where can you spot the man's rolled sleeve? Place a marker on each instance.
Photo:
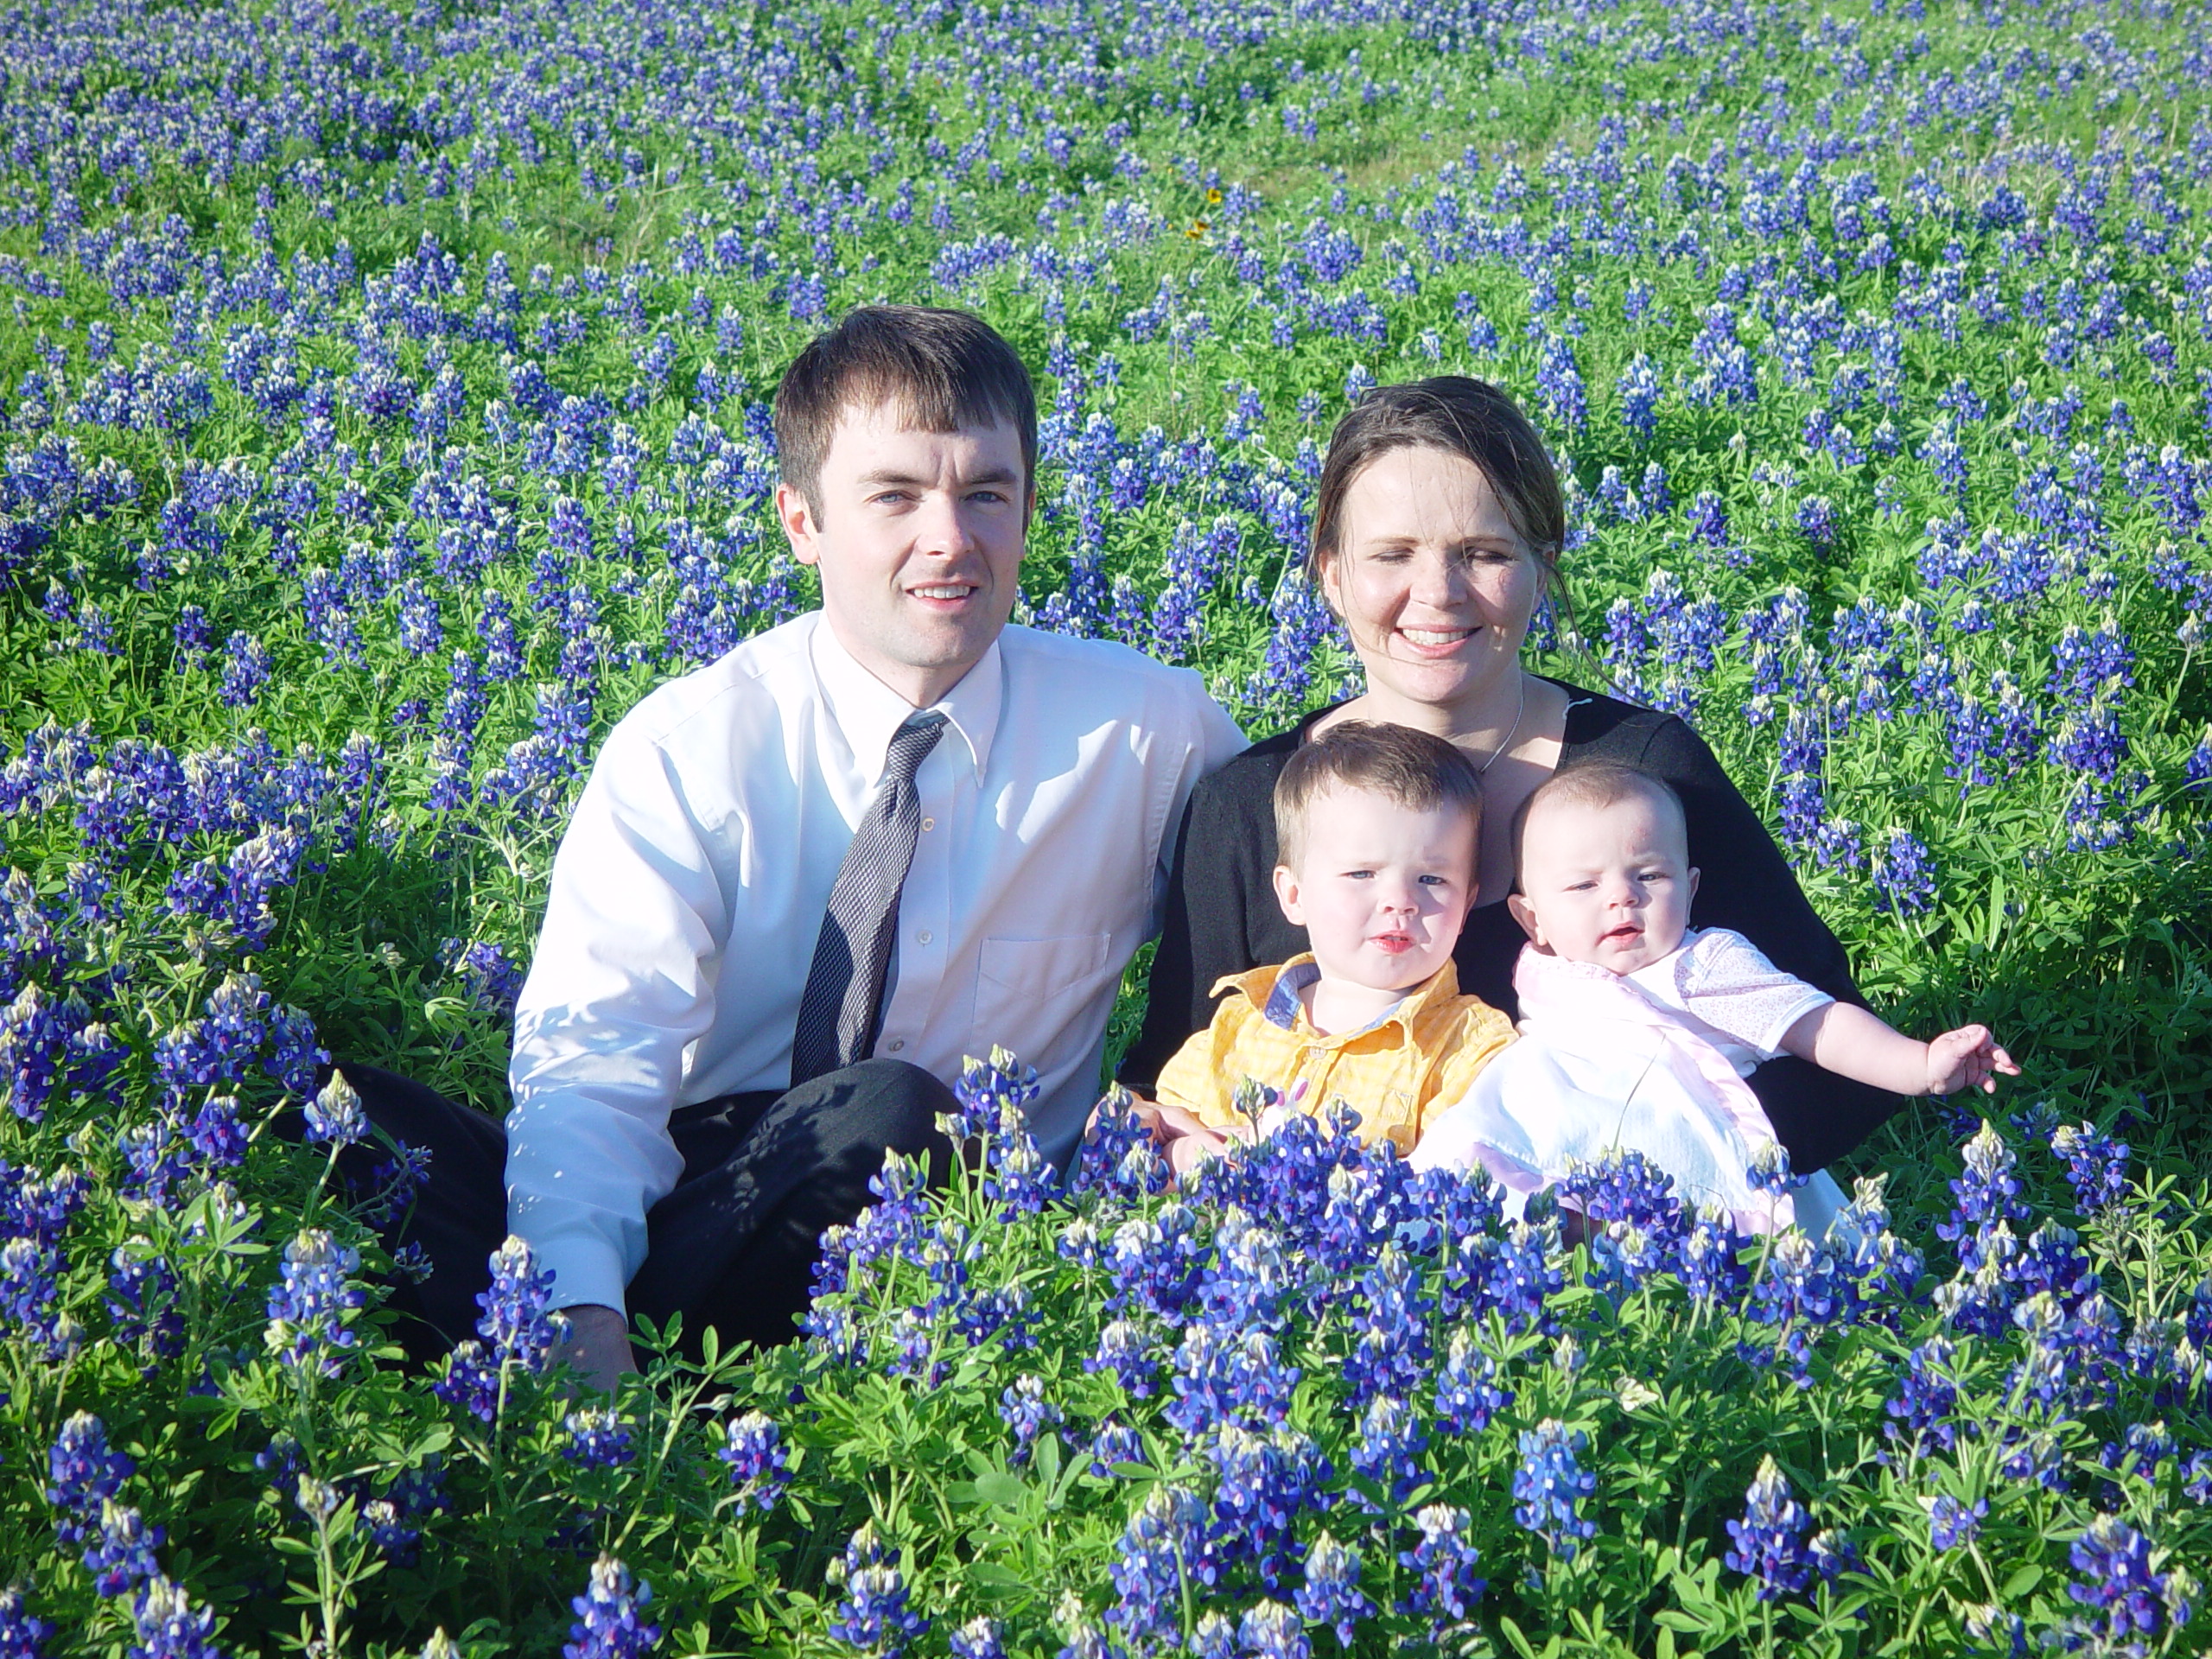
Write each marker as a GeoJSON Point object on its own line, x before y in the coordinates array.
{"type": "Point", "coordinates": [620, 986]}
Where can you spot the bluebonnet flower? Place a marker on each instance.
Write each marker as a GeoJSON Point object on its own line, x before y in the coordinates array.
{"type": "Point", "coordinates": [1127, 1350]}
{"type": "Point", "coordinates": [753, 1449]}
{"type": "Point", "coordinates": [2096, 1165]}
{"type": "Point", "coordinates": [1550, 1485]}
{"type": "Point", "coordinates": [1926, 1396]}
{"type": "Point", "coordinates": [1388, 1451]}
{"type": "Point", "coordinates": [1768, 1541]}
{"type": "Point", "coordinates": [142, 1299]}
{"type": "Point", "coordinates": [1709, 1261]}
{"type": "Point", "coordinates": [979, 1638]}
{"type": "Point", "coordinates": [516, 1322]}
{"type": "Point", "coordinates": [1028, 1413]}
{"type": "Point", "coordinates": [21, 1633]}
{"type": "Point", "coordinates": [1797, 1290]}
{"type": "Point", "coordinates": [2035, 1455]}
{"type": "Point", "coordinates": [1445, 1587]}
{"type": "Point", "coordinates": [336, 1115]}
{"type": "Point", "coordinates": [122, 1556]}
{"type": "Point", "coordinates": [2197, 1477]}
{"type": "Point", "coordinates": [1265, 1483]}
{"type": "Point", "coordinates": [1466, 1392]}
{"type": "Point", "coordinates": [246, 669]}
{"type": "Point", "coordinates": [1158, 1548]}
{"type": "Point", "coordinates": [2115, 1562]}
{"type": "Point", "coordinates": [1331, 1594]}
{"type": "Point", "coordinates": [598, 1439]}
{"type": "Point", "coordinates": [1118, 1156]}
{"type": "Point", "coordinates": [1112, 1443]}
{"type": "Point", "coordinates": [1639, 394]}
{"type": "Point", "coordinates": [1952, 1524]}
{"type": "Point", "coordinates": [1389, 1327]}
{"type": "Point", "coordinates": [170, 1627]}
{"type": "Point", "coordinates": [1833, 1554]}
{"type": "Point", "coordinates": [1770, 1171]}
{"type": "Point", "coordinates": [1989, 1625]}
{"type": "Point", "coordinates": [873, 1616]}
{"type": "Point", "coordinates": [610, 1616]}
{"type": "Point", "coordinates": [517, 1331]}
{"type": "Point", "coordinates": [311, 1301]}
{"type": "Point", "coordinates": [1271, 1630]}
{"type": "Point", "coordinates": [1986, 1193]}
{"type": "Point", "coordinates": [1904, 876]}
{"type": "Point", "coordinates": [1155, 1261]}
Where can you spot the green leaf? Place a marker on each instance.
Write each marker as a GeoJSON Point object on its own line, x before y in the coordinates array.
{"type": "Point", "coordinates": [2022, 1583]}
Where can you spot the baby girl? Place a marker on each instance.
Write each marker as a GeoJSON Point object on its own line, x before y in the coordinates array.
{"type": "Point", "coordinates": [1638, 1030]}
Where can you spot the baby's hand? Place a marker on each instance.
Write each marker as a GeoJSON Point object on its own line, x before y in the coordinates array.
{"type": "Point", "coordinates": [1966, 1058]}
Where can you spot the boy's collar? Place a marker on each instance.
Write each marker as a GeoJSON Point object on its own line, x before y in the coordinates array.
{"type": "Point", "coordinates": [1274, 992]}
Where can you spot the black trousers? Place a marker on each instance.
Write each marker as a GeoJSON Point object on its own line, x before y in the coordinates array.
{"type": "Point", "coordinates": [733, 1246]}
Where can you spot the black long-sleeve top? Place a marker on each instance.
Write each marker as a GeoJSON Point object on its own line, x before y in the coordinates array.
{"type": "Point", "coordinates": [1223, 917]}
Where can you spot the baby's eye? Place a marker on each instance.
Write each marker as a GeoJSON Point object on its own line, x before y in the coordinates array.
{"type": "Point", "coordinates": [1357, 875]}
{"type": "Point", "coordinates": [1436, 880]}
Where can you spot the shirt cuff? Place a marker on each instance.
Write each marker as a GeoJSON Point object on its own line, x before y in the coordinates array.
{"type": "Point", "coordinates": [587, 1262]}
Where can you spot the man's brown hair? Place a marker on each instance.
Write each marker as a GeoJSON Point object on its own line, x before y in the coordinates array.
{"type": "Point", "coordinates": [1599, 784]}
{"type": "Point", "coordinates": [940, 370]}
{"type": "Point", "coordinates": [1418, 771]}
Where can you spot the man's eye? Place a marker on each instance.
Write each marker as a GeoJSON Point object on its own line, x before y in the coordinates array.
{"type": "Point", "coordinates": [991, 496]}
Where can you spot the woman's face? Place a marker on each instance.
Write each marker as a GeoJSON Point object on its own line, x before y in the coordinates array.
{"type": "Point", "coordinates": [1433, 582]}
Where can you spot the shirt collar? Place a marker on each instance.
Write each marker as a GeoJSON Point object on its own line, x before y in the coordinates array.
{"type": "Point", "coordinates": [869, 712]}
{"type": "Point", "coordinates": [1274, 992]}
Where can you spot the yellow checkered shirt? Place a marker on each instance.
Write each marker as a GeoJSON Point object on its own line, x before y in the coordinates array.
{"type": "Point", "coordinates": [1419, 1057]}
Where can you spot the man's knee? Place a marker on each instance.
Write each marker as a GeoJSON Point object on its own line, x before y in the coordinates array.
{"type": "Point", "coordinates": [896, 1103]}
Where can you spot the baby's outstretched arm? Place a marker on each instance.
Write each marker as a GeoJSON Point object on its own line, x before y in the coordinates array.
{"type": "Point", "coordinates": [1853, 1043]}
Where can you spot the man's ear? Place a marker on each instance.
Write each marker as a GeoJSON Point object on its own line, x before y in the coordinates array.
{"type": "Point", "coordinates": [1287, 895]}
{"type": "Point", "coordinates": [1525, 913]}
{"type": "Point", "coordinates": [796, 515]}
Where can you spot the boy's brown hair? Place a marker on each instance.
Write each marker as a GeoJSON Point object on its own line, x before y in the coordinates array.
{"type": "Point", "coordinates": [1418, 771]}
{"type": "Point", "coordinates": [941, 369]}
{"type": "Point", "coordinates": [1597, 784]}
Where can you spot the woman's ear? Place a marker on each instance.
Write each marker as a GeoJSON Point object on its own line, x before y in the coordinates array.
{"type": "Point", "coordinates": [1287, 895]}
{"type": "Point", "coordinates": [1525, 913]}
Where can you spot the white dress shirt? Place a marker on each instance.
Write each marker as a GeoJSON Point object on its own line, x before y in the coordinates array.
{"type": "Point", "coordinates": [692, 881]}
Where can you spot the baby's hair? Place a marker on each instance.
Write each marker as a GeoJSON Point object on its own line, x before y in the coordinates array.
{"type": "Point", "coordinates": [1418, 772]}
{"type": "Point", "coordinates": [1597, 785]}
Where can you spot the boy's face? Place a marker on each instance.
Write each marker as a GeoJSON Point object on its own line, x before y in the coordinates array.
{"type": "Point", "coordinates": [1382, 891]}
{"type": "Point", "coordinates": [1610, 885]}
{"type": "Point", "coordinates": [919, 538]}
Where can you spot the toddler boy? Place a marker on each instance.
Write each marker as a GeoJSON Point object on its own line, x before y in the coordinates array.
{"type": "Point", "coordinates": [1376, 828]}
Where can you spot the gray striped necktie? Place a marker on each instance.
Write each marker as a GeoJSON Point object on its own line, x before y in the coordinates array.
{"type": "Point", "coordinates": [839, 1010]}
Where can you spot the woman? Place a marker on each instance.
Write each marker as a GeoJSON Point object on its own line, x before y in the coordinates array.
{"type": "Point", "coordinates": [1437, 527]}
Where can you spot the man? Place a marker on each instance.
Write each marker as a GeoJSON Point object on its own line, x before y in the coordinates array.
{"type": "Point", "coordinates": [802, 882]}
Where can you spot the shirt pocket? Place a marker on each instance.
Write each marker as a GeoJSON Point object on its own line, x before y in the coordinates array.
{"type": "Point", "coordinates": [1040, 970]}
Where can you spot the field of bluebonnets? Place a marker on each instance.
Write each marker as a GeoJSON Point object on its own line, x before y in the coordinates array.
{"type": "Point", "coordinates": [383, 406]}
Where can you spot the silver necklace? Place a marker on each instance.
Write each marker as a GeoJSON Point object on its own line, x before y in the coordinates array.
{"type": "Point", "coordinates": [1512, 731]}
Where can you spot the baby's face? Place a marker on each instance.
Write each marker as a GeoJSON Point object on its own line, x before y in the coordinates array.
{"type": "Point", "coordinates": [1610, 886]}
{"type": "Point", "coordinates": [1380, 891]}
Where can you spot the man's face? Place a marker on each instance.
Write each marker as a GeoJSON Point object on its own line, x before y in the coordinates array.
{"type": "Point", "coordinates": [919, 538]}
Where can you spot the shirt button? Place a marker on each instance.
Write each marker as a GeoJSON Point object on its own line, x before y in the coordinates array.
{"type": "Point", "coordinates": [923, 936]}
{"type": "Point", "coordinates": [929, 823]}
{"type": "Point", "coordinates": [898, 1044]}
